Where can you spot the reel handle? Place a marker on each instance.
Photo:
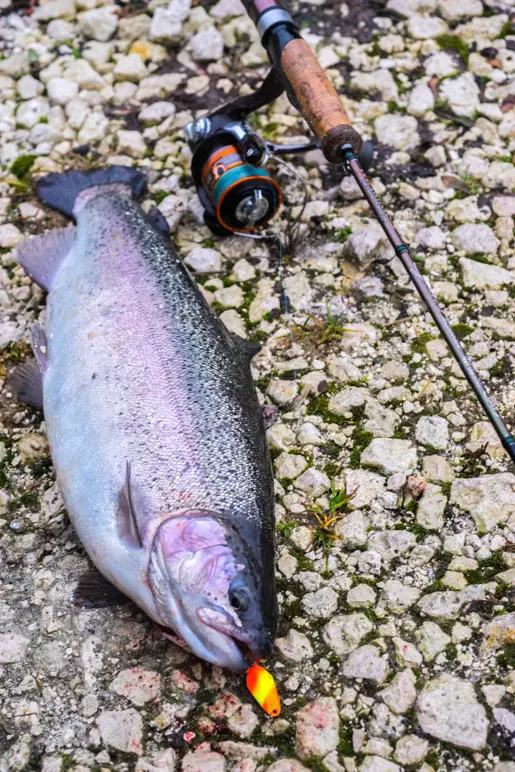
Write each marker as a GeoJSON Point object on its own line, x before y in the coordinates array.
{"type": "Point", "coordinates": [318, 100]}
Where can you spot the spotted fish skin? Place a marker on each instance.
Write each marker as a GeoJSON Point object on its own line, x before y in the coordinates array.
{"type": "Point", "coordinates": [141, 375]}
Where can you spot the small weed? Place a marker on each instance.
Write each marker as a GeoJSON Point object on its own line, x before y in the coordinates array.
{"type": "Point", "coordinates": [22, 166]}
{"type": "Point", "coordinates": [462, 330]}
{"type": "Point", "coordinates": [324, 534]}
{"type": "Point", "coordinates": [342, 234]}
{"type": "Point", "coordinates": [454, 43]}
{"type": "Point", "coordinates": [285, 528]}
{"type": "Point", "coordinates": [160, 195]}
{"type": "Point", "coordinates": [322, 330]}
{"type": "Point", "coordinates": [418, 346]}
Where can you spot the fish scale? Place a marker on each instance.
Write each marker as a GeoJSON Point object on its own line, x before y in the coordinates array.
{"type": "Point", "coordinates": [144, 382]}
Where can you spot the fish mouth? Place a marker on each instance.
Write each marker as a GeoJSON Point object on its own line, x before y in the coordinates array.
{"type": "Point", "coordinates": [249, 652]}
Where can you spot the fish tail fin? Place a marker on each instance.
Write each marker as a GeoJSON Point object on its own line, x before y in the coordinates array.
{"type": "Point", "coordinates": [60, 190]}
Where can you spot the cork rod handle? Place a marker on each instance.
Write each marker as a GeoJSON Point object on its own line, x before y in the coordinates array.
{"type": "Point", "coordinates": [318, 100]}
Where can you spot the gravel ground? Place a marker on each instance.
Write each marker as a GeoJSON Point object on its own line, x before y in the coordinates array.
{"type": "Point", "coordinates": [395, 501]}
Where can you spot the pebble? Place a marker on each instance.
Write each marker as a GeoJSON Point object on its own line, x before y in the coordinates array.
{"type": "Point", "coordinates": [320, 604]}
{"type": "Point", "coordinates": [99, 23]}
{"type": "Point", "coordinates": [366, 662]}
{"type": "Point", "coordinates": [61, 91]}
{"type": "Point", "coordinates": [411, 749]}
{"type": "Point", "coordinates": [474, 238]}
{"type": "Point", "coordinates": [122, 729]}
{"type": "Point", "coordinates": [159, 761]}
{"type": "Point", "coordinates": [206, 45]}
{"type": "Point", "coordinates": [447, 708]}
{"type": "Point", "coordinates": [461, 94]}
{"type": "Point", "coordinates": [398, 131]}
{"type": "Point", "coordinates": [344, 632]}
{"type": "Point", "coordinates": [390, 455]}
{"type": "Point", "coordinates": [484, 276]}
{"type": "Point", "coordinates": [313, 482]}
{"type": "Point", "coordinates": [317, 728]}
{"type": "Point", "coordinates": [137, 684]}
{"type": "Point", "coordinates": [431, 640]}
{"type": "Point", "coordinates": [490, 499]}
{"type": "Point", "coordinates": [400, 695]}
{"type": "Point", "coordinates": [13, 647]}
{"type": "Point", "coordinates": [295, 647]}
{"type": "Point", "coordinates": [203, 761]}
{"type": "Point", "coordinates": [204, 260]}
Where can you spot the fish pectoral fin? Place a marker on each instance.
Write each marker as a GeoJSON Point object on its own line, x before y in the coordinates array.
{"type": "Point", "coordinates": [126, 516]}
{"type": "Point", "coordinates": [27, 383]}
{"type": "Point", "coordinates": [93, 590]}
{"type": "Point", "coordinates": [39, 345]}
{"type": "Point", "coordinates": [42, 256]}
{"type": "Point", "coordinates": [247, 348]}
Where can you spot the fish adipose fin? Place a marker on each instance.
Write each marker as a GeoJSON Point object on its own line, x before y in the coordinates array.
{"type": "Point", "coordinates": [39, 346]}
{"type": "Point", "coordinates": [42, 256]}
{"type": "Point", "coordinates": [60, 190]}
{"type": "Point", "coordinates": [126, 515]}
{"type": "Point", "coordinates": [95, 591]}
{"type": "Point", "coordinates": [27, 383]}
{"type": "Point", "coordinates": [157, 219]}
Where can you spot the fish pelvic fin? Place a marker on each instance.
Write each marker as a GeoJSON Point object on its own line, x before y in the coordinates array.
{"type": "Point", "coordinates": [39, 345]}
{"type": "Point", "coordinates": [126, 515]}
{"type": "Point", "coordinates": [61, 190]}
{"type": "Point", "coordinates": [41, 257]}
{"type": "Point", "coordinates": [93, 590]}
{"type": "Point", "coordinates": [27, 383]}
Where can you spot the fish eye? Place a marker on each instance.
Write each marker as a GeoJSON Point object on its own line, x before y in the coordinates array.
{"type": "Point", "coordinates": [239, 600]}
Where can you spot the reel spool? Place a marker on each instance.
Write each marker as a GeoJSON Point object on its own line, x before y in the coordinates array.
{"type": "Point", "coordinates": [237, 192]}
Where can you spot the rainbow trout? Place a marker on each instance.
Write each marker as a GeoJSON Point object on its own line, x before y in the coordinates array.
{"type": "Point", "coordinates": [154, 425]}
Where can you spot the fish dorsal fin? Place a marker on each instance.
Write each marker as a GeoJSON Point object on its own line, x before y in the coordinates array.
{"type": "Point", "coordinates": [94, 591]}
{"type": "Point", "coordinates": [126, 516]}
{"type": "Point", "coordinates": [42, 256]}
{"type": "Point", "coordinates": [27, 383]}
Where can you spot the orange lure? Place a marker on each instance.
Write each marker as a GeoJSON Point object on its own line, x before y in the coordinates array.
{"type": "Point", "coordinates": [261, 685]}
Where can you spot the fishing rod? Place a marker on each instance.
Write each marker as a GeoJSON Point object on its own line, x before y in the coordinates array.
{"type": "Point", "coordinates": [240, 196]}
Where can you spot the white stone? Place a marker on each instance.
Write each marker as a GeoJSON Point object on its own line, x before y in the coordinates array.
{"type": "Point", "coordinates": [204, 260]}
{"type": "Point", "coordinates": [461, 94]}
{"type": "Point", "coordinates": [378, 764]}
{"type": "Point", "coordinates": [206, 45]}
{"type": "Point", "coordinates": [314, 482]}
{"type": "Point", "coordinates": [137, 684]}
{"type": "Point", "coordinates": [224, 9]}
{"type": "Point", "coordinates": [344, 632]}
{"type": "Point", "coordinates": [365, 245]}
{"type": "Point", "coordinates": [490, 499]}
{"type": "Point", "coordinates": [317, 728]}
{"type": "Point", "coordinates": [431, 640]}
{"type": "Point", "coordinates": [121, 729]}
{"type": "Point", "coordinates": [295, 647]}
{"type": "Point", "coordinates": [61, 91]}
{"type": "Point", "coordinates": [30, 112]}
{"type": "Point", "coordinates": [433, 431]}
{"type": "Point", "coordinates": [93, 129]}
{"type": "Point", "coordinates": [9, 236]}
{"type": "Point", "coordinates": [290, 465]}
{"type": "Point", "coordinates": [320, 604]}
{"type": "Point", "coordinates": [398, 131]}
{"type": "Point", "coordinates": [55, 9]}
{"type": "Point", "coordinates": [366, 662]}
{"type": "Point", "coordinates": [203, 761]}
{"type": "Point", "coordinates": [473, 238]}
{"type": "Point", "coordinates": [13, 647]}
{"type": "Point", "coordinates": [352, 529]}
{"type": "Point", "coordinates": [158, 761]}
{"type": "Point", "coordinates": [282, 391]}
{"type": "Point", "coordinates": [433, 237]}
{"type": "Point", "coordinates": [467, 210]}
{"type": "Point", "coordinates": [390, 455]}
{"type": "Point", "coordinates": [483, 276]}
{"type": "Point", "coordinates": [401, 693]}
{"type": "Point", "coordinates": [60, 30]}
{"type": "Point", "coordinates": [99, 23]}
{"type": "Point", "coordinates": [431, 508]}
{"type": "Point", "coordinates": [421, 100]}
{"type": "Point", "coordinates": [157, 111]}
{"type": "Point", "coordinates": [132, 143]}
{"type": "Point", "coordinates": [130, 67]}
{"type": "Point", "coordinates": [425, 27]}
{"type": "Point", "coordinates": [398, 596]}
{"type": "Point", "coordinates": [363, 486]}
{"type": "Point", "coordinates": [454, 10]}
{"type": "Point", "coordinates": [447, 708]}
{"type": "Point", "coordinates": [166, 26]}
{"type": "Point", "coordinates": [28, 87]}
{"type": "Point", "coordinates": [411, 749]}
{"type": "Point", "coordinates": [361, 596]}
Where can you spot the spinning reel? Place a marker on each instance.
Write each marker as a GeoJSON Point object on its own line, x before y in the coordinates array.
{"type": "Point", "coordinates": [229, 160]}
